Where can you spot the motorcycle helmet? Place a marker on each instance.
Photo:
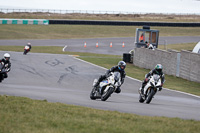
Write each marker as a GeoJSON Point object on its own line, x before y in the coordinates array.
{"type": "Point", "coordinates": [158, 68]}
{"type": "Point", "coordinates": [6, 56]}
{"type": "Point", "coordinates": [121, 65]}
{"type": "Point", "coordinates": [28, 43]}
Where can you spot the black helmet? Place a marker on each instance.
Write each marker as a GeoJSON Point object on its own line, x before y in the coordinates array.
{"type": "Point", "coordinates": [159, 68]}
{"type": "Point", "coordinates": [121, 65]}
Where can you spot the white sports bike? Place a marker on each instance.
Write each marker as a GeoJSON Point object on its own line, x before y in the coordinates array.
{"type": "Point", "coordinates": [106, 87]}
{"type": "Point", "coordinates": [150, 89]}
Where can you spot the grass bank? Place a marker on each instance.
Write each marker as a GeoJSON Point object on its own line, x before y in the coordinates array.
{"type": "Point", "coordinates": [23, 115]}
{"type": "Point", "coordinates": [107, 16]}
{"type": "Point", "coordinates": [108, 61]}
{"type": "Point", "coordinates": [84, 31]}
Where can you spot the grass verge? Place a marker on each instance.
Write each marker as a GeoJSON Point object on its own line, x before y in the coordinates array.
{"type": "Point", "coordinates": [23, 115]}
{"type": "Point", "coordinates": [85, 31]}
{"type": "Point", "coordinates": [108, 61]}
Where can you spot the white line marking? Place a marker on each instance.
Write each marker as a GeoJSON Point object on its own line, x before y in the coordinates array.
{"type": "Point", "coordinates": [64, 48]}
{"type": "Point", "coordinates": [137, 79]}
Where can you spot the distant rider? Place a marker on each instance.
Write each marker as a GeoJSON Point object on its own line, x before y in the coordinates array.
{"type": "Point", "coordinates": [157, 70]}
{"type": "Point", "coordinates": [7, 65]}
{"type": "Point", "coordinates": [119, 68]}
{"type": "Point", "coordinates": [28, 47]}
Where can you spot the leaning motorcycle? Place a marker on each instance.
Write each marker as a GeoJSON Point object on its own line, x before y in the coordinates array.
{"type": "Point", "coordinates": [106, 87]}
{"type": "Point", "coordinates": [26, 50]}
{"type": "Point", "coordinates": [150, 89]}
{"type": "Point", "coordinates": [2, 71]}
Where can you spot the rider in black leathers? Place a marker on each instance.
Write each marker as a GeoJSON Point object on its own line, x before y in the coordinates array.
{"type": "Point", "coordinates": [157, 70]}
{"type": "Point", "coordinates": [7, 64]}
{"type": "Point", "coordinates": [119, 68]}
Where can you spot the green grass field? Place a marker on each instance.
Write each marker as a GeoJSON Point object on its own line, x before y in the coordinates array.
{"type": "Point", "coordinates": [23, 115]}
{"type": "Point", "coordinates": [84, 31]}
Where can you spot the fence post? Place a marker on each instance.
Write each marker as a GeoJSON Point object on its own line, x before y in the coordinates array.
{"type": "Point", "coordinates": [178, 64]}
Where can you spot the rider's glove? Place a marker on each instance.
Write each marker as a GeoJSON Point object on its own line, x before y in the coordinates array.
{"type": "Point", "coordinates": [161, 84]}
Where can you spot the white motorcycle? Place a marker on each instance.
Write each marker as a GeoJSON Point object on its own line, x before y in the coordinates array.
{"type": "Point", "coordinates": [150, 89]}
{"type": "Point", "coordinates": [26, 50]}
{"type": "Point", "coordinates": [106, 87]}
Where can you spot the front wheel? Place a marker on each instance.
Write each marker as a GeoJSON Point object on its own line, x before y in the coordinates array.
{"type": "Point", "coordinates": [107, 94]}
{"type": "Point", "coordinates": [150, 96]}
{"type": "Point", "coordinates": [92, 94]}
{"type": "Point", "coordinates": [25, 52]}
{"type": "Point", "coordinates": [1, 77]}
{"type": "Point", "coordinates": [141, 100]}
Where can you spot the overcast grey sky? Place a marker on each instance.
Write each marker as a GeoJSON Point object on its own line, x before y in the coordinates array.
{"type": "Point", "coordinates": [146, 6]}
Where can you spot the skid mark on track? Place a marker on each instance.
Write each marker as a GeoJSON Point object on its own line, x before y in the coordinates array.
{"type": "Point", "coordinates": [70, 70]}
{"type": "Point", "coordinates": [53, 63]}
{"type": "Point", "coordinates": [31, 70]}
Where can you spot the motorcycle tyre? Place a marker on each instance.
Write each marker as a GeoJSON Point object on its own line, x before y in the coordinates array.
{"type": "Point", "coordinates": [106, 95]}
{"type": "Point", "coordinates": [25, 52]}
{"type": "Point", "coordinates": [141, 100]}
{"type": "Point", "coordinates": [1, 78]}
{"type": "Point", "coordinates": [92, 94]}
{"type": "Point", "coordinates": [150, 96]}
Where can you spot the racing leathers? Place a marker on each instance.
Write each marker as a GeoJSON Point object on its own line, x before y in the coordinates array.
{"type": "Point", "coordinates": [113, 69]}
{"type": "Point", "coordinates": [7, 66]}
{"type": "Point", "coordinates": [152, 72]}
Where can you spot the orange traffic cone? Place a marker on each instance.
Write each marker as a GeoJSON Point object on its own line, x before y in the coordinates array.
{"type": "Point", "coordinates": [97, 45]}
{"type": "Point", "coordinates": [123, 45]}
{"type": "Point", "coordinates": [85, 45]}
{"type": "Point", "coordinates": [111, 44]}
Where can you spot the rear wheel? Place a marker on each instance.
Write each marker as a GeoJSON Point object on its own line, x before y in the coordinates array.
{"type": "Point", "coordinates": [150, 96]}
{"type": "Point", "coordinates": [107, 94]}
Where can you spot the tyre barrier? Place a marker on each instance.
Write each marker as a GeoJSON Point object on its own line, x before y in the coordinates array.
{"type": "Point", "coordinates": [25, 21]}
{"type": "Point", "coordinates": [123, 23]}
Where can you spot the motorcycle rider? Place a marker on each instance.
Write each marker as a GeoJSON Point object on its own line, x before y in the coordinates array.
{"type": "Point", "coordinates": [29, 46]}
{"type": "Point", "coordinates": [7, 64]}
{"type": "Point", "coordinates": [157, 70]}
{"type": "Point", "coordinates": [119, 68]}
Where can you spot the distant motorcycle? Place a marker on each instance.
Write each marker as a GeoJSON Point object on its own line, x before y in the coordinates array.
{"type": "Point", "coordinates": [106, 87]}
{"type": "Point", "coordinates": [26, 50]}
{"type": "Point", "coordinates": [2, 71]}
{"type": "Point", "coordinates": [150, 89]}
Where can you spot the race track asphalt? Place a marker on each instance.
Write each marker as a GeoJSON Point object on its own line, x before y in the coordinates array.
{"type": "Point", "coordinates": [77, 45]}
{"type": "Point", "coordinates": [66, 79]}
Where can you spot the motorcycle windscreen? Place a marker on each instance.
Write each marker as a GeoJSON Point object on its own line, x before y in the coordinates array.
{"type": "Point", "coordinates": [156, 77]}
{"type": "Point", "coordinates": [117, 76]}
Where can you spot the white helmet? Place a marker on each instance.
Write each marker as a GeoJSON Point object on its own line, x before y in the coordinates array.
{"type": "Point", "coordinates": [28, 43]}
{"type": "Point", "coordinates": [7, 55]}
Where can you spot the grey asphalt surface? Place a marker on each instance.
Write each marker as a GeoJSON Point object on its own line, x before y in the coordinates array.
{"type": "Point", "coordinates": [65, 79]}
{"type": "Point", "coordinates": [77, 45]}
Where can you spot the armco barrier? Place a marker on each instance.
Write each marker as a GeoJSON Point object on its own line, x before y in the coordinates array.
{"type": "Point", "coordinates": [122, 23]}
{"type": "Point", "coordinates": [25, 21]}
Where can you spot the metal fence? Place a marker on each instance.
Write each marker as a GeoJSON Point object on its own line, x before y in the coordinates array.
{"type": "Point", "coordinates": [53, 11]}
